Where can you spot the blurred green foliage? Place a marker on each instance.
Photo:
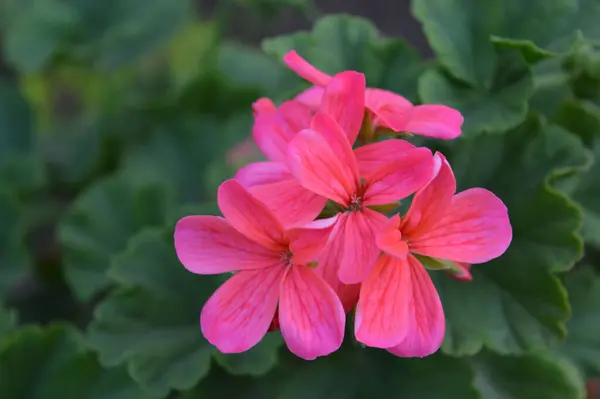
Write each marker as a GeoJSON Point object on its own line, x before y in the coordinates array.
{"type": "Point", "coordinates": [117, 118]}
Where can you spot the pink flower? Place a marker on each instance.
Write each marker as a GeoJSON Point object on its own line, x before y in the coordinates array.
{"type": "Point", "coordinates": [387, 110]}
{"type": "Point", "coordinates": [322, 160]}
{"type": "Point", "coordinates": [271, 274]}
{"type": "Point", "coordinates": [270, 181]}
{"type": "Point", "coordinates": [399, 308]}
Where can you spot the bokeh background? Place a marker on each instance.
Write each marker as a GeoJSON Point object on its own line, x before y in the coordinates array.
{"type": "Point", "coordinates": [118, 117]}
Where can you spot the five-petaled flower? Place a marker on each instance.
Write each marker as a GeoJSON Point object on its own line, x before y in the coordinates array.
{"type": "Point", "coordinates": [306, 236]}
{"type": "Point", "coordinates": [399, 308]}
{"type": "Point", "coordinates": [272, 273]}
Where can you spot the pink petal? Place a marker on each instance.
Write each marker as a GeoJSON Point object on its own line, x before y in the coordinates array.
{"type": "Point", "coordinates": [337, 140]}
{"type": "Point", "coordinates": [311, 316]}
{"type": "Point", "coordinates": [426, 323]}
{"type": "Point", "coordinates": [358, 231]}
{"type": "Point", "coordinates": [304, 69]}
{"type": "Point", "coordinates": [273, 184]}
{"type": "Point", "coordinates": [320, 168]}
{"type": "Point", "coordinates": [210, 245]}
{"type": "Point", "coordinates": [390, 109]}
{"type": "Point", "coordinates": [474, 229]}
{"type": "Point", "coordinates": [259, 173]}
{"type": "Point", "coordinates": [390, 240]}
{"type": "Point", "coordinates": [263, 105]}
{"type": "Point", "coordinates": [401, 177]}
{"type": "Point", "coordinates": [378, 98]}
{"type": "Point", "coordinates": [238, 314]}
{"type": "Point", "coordinates": [381, 319]}
{"type": "Point", "coordinates": [328, 266]}
{"type": "Point", "coordinates": [437, 121]}
{"type": "Point", "coordinates": [311, 97]}
{"type": "Point", "coordinates": [344, 101]}
{"type": "Point", "coordinates": [249, 216]}
{"type": "Point", "coordinates": [371, 157]}
{"type": "Point", "coordinates": [274, 128]}
{"type": "Point", "coordinates": [308, 243]}
{"type": "Point", "coordinates": [430, 203]}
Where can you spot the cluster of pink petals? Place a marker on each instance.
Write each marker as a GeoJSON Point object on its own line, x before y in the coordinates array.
{"type": "Point", "coordinates": [303, 273]}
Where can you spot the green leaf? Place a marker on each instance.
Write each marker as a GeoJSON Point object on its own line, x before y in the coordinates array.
{"type": "Point", "coordinates": [249, 67]}
{"type": "Point", "coordinates": [179, 155]}
{"type": "Point", "coordinates": [257, 361]}
{"type": "Point", "coordinates": [152, 323]}
{"type": "Point", "coordinates": [190, 51]}
{"type": "Point", "coordinates": [581, 118]}
{"type": "Point", "coordinates": [459, 31]}
{"type": "Point", "coordinates": [551, 87]}
{"type": "Point", "coordinates": [587, 194]}
{"type": "Point", "coordinates": [348, 374]}
{"type": "Point", "coordinates": [497, 108]}
{"type": "Point", "coordinates": [50, 362]}
{"type": "Point", "coordinates": [110, 34]}
{"type": "Point", "coordinates": [14, 258]}
{"type": "Point", "coordinates": [8, 320]}
{"type": "Point", "coordinates": [338, 43]}
{"type": "Point", "coordinates": [99, 224]}
{"type": "Point", "coordinates": [18, 166]}
{"type": "Point", "coordinates": [515, 303]}
{"type": "Point", "coordinates": [583, 65]}
{"type": "Point", "coordinates": [526, 377]}
{"type": "Point", "coordinates": [133, 28]}
{"type": "Point", "coordinates": [73, 150]}
{"type": "Point", "coordinates": [35, 32]}
{"type": "Point", "coordinates": [582, 345]}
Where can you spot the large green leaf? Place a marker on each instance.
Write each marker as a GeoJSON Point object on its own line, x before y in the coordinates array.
{"type": "Point", "coordinates": [8, 320]}
{"type": "Point", "coordinates": [18, 165]}
{"type": "Point", "coordinates": [339, 43]}
{"type": "Point", "coordinates": [152, 323]}
{"type": "Point", "coordinates": [459, 31]}
{"type": "Point", "coordinates": [100, 223]}
{"type": "Point", "coordinates": [14, 258]}
{"type": "Point", "coordinates": [587, 194]}
{"type": "Point", "coordinates": [182, 155]}
{"type": "Point", "coordinates": [515, 303]}
{"type": "Point", "coordinates": [581, 118]}
{"type": "Point", "coordinates": [582, 345]}
{"type": "Point", "coordinates": [350, 373]}
{"type": "Point", "coordinates": [550, 86]}
{"type": "Point", "coordinates": [43, 363]}
{"type": "Point", "coordinates": [109, 34]}
{"type": "Point", "coordinates": [250, 67]}
{"type": "Point", "coordinates": [526, 377]}
{"type": "Point", "coordinates": [35, 31]}
{"type": "Point", "coordinates": [497, 108]}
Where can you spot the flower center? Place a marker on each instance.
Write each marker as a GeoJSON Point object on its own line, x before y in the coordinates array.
{"type": "Point", "coordinates": [286, 257]}
{"type": "Point", "coordinates": [355, 203]}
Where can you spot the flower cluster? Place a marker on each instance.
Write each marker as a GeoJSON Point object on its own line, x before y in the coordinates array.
{"type": "Point", "coordinates": [306, 235]}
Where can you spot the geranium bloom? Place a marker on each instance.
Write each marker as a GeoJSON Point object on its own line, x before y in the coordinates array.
{"type": "Point", "coordinates": [271, 274]}
{"type": "Point", "coordinates": [322, 160]}
{"type": "Point", "coordinates": [399, 308]}
{"type": "Point", "coordinates": [386, 110]}
{"type": "Point", "coordinates": [271, 182]}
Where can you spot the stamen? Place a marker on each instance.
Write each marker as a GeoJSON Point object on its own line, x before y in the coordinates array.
{"type": "Point", "coordinates": [355, 203]}
{"type": "Point", "coordinates": [286, 257]}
